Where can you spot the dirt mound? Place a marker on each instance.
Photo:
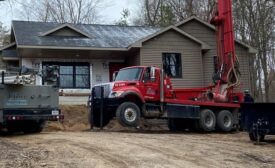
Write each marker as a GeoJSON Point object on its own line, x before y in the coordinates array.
{"type": "Point", "coordinates": [75, 119]}
{"type": "Point", "coordinates": [145, 125]}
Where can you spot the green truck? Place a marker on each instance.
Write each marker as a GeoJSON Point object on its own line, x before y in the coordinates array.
{"type": "Point", "coordinates": [26, 107]}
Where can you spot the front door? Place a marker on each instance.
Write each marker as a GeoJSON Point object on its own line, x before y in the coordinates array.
{"type": "Point", "coordinates": [114, 66]}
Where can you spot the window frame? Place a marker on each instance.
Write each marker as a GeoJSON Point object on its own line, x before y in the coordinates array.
{"type": "Point", "coordinates": [74, 74]}
{"type": "Point", "coordinates": [179, 65]}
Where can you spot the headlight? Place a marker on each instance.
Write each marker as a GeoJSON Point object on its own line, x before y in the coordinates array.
{"type": "Point", "coordinates": [115, 94]}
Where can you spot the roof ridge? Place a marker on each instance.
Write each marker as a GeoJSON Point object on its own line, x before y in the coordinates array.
{"type": "Point", "coordinates": [97, 24]}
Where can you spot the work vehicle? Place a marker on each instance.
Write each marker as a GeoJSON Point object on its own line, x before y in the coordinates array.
{"type": "Point", "coordinates": [258, 119]}
{"type": "Point", "coordinates": [146, 91]}
{"type": "Point", "coordinates": [24, 107]}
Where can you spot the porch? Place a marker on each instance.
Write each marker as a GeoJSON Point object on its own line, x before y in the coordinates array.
{"type": "Point", "coordinates": [79, 69]}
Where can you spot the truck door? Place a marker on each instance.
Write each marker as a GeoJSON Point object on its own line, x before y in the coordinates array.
{"type": "Point", "coordinates": [151, 84]}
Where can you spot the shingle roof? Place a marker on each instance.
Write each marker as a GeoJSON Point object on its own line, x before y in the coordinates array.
{"type": "Point", "coordinates": [103, 36]}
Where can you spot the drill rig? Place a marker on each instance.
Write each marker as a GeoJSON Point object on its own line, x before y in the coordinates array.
{"type": "Point", "coordinates": [227, 77]}
{"type": "Point", "coordinates": [145, 91]}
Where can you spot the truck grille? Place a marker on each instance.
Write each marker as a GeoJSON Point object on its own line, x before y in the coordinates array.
{"type": "Point", "coordinates": [97, 91]}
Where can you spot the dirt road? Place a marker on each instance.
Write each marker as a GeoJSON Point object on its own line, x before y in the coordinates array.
{"type": "Point", "coordinates": [134, 149]}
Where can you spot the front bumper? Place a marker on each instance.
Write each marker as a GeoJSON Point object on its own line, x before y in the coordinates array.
{"type": "Point", "coordinates": [32, 114]}
{"type": "Point", "coordinates": [108, 104]}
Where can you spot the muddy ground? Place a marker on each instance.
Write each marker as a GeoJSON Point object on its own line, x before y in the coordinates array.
{"type": "Point", "coordinates": [70, 145]}
{"type": "Point", "coordinates": [134, 149]}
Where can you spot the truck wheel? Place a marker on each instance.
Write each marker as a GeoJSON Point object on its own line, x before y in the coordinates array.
{"type": "Point", "coordinates": [177, 124]}
{"type": "Point", "coordinates": [225, 121]}
{"type": "Point", "coordinates": [254, 136]}
{"type": "Point", "coordinates": [33, 126]}
{"type": "Point", "coordinates": [194, 126]}
{"type": "Point", "coordinates": [128, 114]}
{"type": "Point", "coordinates": [13, 127]}
{"type": "Point", "coordinates": [39, 126]}
{"type": "Point", "coordinates": [207, 121]}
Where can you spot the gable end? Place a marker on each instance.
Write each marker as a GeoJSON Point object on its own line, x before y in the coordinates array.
{"type": "Point", "coordinates": [67, 31]}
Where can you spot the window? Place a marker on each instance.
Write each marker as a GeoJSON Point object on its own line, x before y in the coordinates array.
{"type": "Point", "coordinates": [130, 74]}
{"type": "Point", "coordinates": [73, 75]}
{"type": "Point", "coordinates": [172, 64]}
{"type": "Point", "coordinates": [66, 76]}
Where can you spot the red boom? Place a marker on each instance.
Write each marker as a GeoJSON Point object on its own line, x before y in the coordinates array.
{"type": "Point", "coordinates": [226, 78]}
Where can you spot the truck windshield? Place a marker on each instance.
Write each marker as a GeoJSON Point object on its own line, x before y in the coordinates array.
{"type": "Point", "coordinates": [129, 74]}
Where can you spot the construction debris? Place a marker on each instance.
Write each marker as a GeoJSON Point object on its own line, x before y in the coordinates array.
{"type": "Point", "coordinates": [20, 79]}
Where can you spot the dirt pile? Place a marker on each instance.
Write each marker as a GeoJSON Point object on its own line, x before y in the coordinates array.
{"type": "Point", "coordinates": [76, 119]}
{"type": "Point", "coordinates": [145, 125]}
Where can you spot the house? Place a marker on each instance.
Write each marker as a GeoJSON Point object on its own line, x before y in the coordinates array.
{"type": "Point", "coordinates": [88, 54]}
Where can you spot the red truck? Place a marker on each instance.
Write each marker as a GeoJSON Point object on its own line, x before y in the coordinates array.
{"type": "Point", "coordinates": [147, 92]}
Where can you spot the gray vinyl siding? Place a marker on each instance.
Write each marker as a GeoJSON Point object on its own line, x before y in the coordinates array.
{"type": "Point", "coordinates": [207, 35]}
{"type": "Point", "coordinates": [243, 57]}
{"type": "Point", "coordinates": [133, 59]}
{"type": "Point", "coordinates": [173, 42]}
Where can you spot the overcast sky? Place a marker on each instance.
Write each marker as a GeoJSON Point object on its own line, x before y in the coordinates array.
{"type": "Point", "coordinates": [110, 13]}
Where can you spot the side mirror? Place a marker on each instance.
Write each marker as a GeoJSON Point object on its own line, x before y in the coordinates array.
{"type": "Point", "coordinates": [114, 75]}
{"type": "Point", "coordinates": [153, 74]}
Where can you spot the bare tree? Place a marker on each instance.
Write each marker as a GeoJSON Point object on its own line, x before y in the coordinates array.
{"type": "Point", "coordinates": [4, 37]}
{"type": "Point", "coordinates": [123, 21]}
{"type": "Point", "coordinates": [69, 11]}
{"type": "Point", "coordinates": [254, 24]}
{"type": "Point", "coordinates": [166, 12]}
{"type": "Point", "coordinates": [155, 13]}
{"type": "Point", "coordinates": [186, 8]}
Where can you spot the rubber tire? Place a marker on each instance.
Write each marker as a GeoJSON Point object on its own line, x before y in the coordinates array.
{"type": "Point", "coordinates": [202, 125]}
{"type": "Point", "coordinates": [96, 118]}
{"type": "Point", "coordinates": [220, 120]}
{"type": "Point", "coordinates": [194, 126]}
{"type": "Point", "coordinates": [27, 127]}
{"type": "Point", "coordinates": [121, 117]}
{"type": "Point", "coordinates": [39, 127]}
{"type": "Point", "coordinates": [254, 137]}
{"type": "Point", "coordinates": [14, 126]}
{"type": "Point", "coordinates": [177, 124]}
{"type": "Point", "coordinates": [33, 127]}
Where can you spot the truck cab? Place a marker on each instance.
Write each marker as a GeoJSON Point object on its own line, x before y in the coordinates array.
{"type": "Point", "coordinates": [141, 81]}
{"type": "Point", "coordinates": [137, 87]}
